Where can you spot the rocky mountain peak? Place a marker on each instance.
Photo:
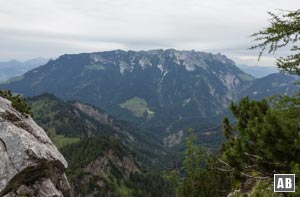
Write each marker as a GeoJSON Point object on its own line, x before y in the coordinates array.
{"type": "Point", "coordinates": [191, 60]}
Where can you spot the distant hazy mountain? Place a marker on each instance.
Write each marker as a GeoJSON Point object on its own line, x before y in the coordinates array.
{"type": "Point", "coordinates": [271, 85]}
{"type": "Point", "coordinates": [16, 68]}
{"type": "Point", "coordinates": [258, 71]}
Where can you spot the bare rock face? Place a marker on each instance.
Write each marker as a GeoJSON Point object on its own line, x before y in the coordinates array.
{"type": "Point", "coordinates": [30, 165]}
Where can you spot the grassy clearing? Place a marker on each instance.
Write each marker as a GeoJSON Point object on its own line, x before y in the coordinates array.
{"type": "Point", "coordinates": [138, 107]}
{"type": "Point", "coordinates": [61, 141]}
{"type": "Point", "coordinates": [94, 67]}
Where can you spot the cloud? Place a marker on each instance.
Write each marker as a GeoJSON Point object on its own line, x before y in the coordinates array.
{"type": "Point", "coordinates": [50, 28]}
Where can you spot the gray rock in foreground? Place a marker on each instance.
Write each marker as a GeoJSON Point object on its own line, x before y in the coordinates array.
{"type": "Point", "coordinates": [30, 165]}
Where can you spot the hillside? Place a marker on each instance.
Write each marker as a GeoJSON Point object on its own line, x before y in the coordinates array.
{"type": "Point", "coordinates": [106, 157]}
{"type": "Point", "coordinates": [102, 166]}
{"type": "Point", "coordinates": [68, 122]}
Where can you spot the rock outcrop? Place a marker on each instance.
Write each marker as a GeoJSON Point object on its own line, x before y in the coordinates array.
{"type": "Point", "coordinates": [30, 165]}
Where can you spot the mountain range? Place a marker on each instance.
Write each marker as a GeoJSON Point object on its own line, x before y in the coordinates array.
{"type": "Point", "coordinates": [161, 91]}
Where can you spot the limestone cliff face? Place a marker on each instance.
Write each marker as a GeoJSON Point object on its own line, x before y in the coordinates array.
{"type": "Point", "coordinates": [30, 165]}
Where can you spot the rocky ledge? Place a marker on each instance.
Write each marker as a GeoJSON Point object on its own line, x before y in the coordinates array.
{"type": "Point", "coordinates": [30, 165]}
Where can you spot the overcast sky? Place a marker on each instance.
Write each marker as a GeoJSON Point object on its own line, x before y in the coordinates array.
{"type": "Point", "coordinates": [49, 28]}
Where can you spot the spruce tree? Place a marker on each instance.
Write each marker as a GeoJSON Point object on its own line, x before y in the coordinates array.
{"type": "Point", "coordinates": [283, 31]}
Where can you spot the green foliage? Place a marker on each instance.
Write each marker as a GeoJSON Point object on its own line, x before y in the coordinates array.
{"type": "Point", "coordinates": [263, 188]}
{"type": "Point", "coordinates": [173, 176]}
{"type": "Point", "coordinates": [150, 184]}
{"type": "Point", "coordinates": [201, 175]}
{"type": "Point", "coordinates": [113, 177]}
{"type": "Point", "coordinates": [284, 29]}
{"type": "Point", "coordinates": [194, 156]}
{"type": "Point", "coordinates": [17, 101]}
{"type": "Point", "coordinates": [265, 139]}
{"type": "Point", "coordinates": [88, 149]}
